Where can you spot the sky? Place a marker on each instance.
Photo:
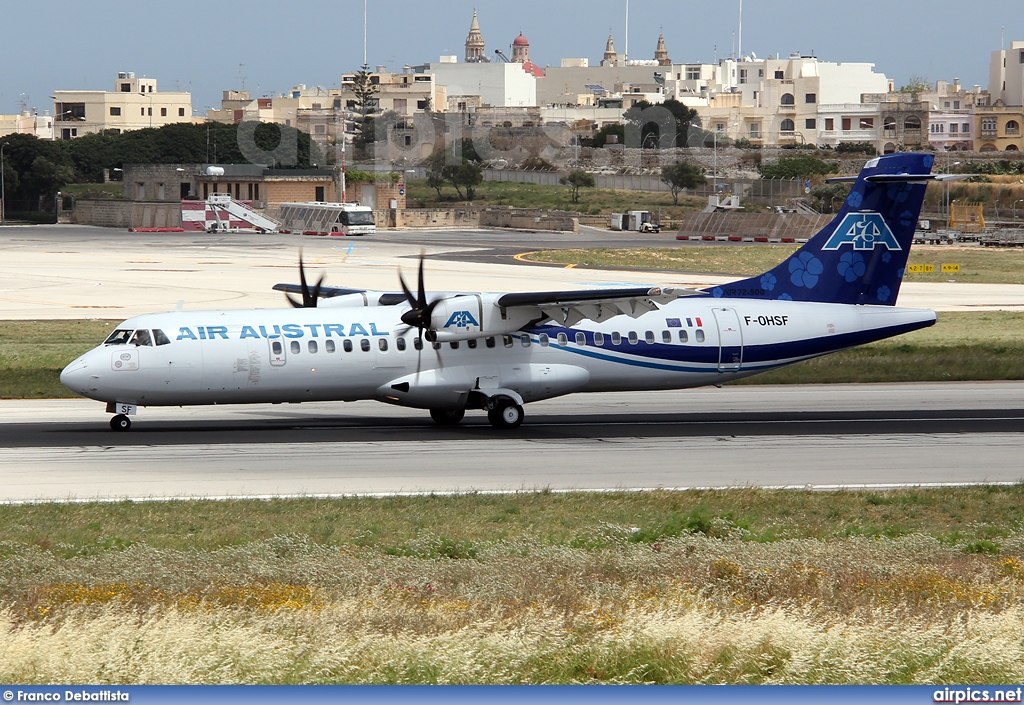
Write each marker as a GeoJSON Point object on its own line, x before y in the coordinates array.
{"type": "Point", "coordinates": [269, 47]}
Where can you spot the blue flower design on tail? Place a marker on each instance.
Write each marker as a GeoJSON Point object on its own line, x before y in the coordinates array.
{"type": "Point", "coordinates": [851, 266]}
{"type": "Point", "coordinates": [805, 270]}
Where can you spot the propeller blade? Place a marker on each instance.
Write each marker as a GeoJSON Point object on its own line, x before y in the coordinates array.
{"type": "Point", "coordinates": [422, 301]}
{"type": "Point", "coordinates": [310, 297]}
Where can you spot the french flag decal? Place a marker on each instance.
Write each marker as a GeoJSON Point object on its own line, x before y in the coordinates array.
{"type": "Point", "coordinates": [689, 323]}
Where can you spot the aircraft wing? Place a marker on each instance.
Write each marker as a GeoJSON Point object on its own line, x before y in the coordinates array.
{"type": "Point", "coordinates": [326, 292]}
{"type": "Point", "coordinates": [570, 307]}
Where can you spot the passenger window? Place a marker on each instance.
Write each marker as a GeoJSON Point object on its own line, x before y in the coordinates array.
{"type": "Point", "coordinates": [383, 344]}
{"type": "Point", "coordinates": [160, 337]}
{"type": "Point", "coordinates": [633, 339]}
{"type": "Point", "coordinates": [563, 339]}
{"type": "Point", "coordinates": [454, 344]}
{"type": "Point", "coordinates": [417, 343]}
{"type": "Point", "coordinates": [581, 339]}
{"type": "Point", "coordinates": [141, 337]}
{"type": "Point", "coordinates": [295, 347]}
{"type": "Point", "coordinates": [118, 337]}
{"type": "Point", "coordinates": [276, 347]}
{"type": "Point", "coordinates": [507, 340]}
{"type": "Point", "coordinates": [616, 338]}
{"type": "Point", "coordinates": [400, 343]}
{"type": "Point", "coordinates": [525, 340]}
{"type": "Point", "coordinates": [598, 338]}
{"type": "Point", "coordinates": [489, 342]}
{"type": "Point", "coordinates": [699, 336]}
{"type": "Point", "coordinates": [471, 343]}
{"type": "Point", "coordinates": [649, 337]}
{"type": "Point", "coordinates": [347, 345]}
{"type": "Point", "coordinates": [683, 337]}
{"type": "Point", "coordinates": [364, 345]}
{"type": "Point", "coordinates": [312, 346]}
{"type": "Point", "coordinates": [666, 336]}
{"type": "Point", "coordinates": [329, 346]}
{"type": "Point", "coordinates": [543, 339]}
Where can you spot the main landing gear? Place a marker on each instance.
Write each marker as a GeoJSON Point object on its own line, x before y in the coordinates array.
{"type": "Point", "coordinates": [502, 412]}
{"type": "Point", "coordinates": [505, 414]}
{"type": "Point", "coordinates": [120, 423]}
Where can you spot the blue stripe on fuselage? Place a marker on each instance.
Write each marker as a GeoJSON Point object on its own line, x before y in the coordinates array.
{"type": "Point", "coordinates": [659, 355]}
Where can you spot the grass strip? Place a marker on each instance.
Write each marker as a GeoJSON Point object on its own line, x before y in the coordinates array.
{"type": "Point", "coordinates": [977, 265]}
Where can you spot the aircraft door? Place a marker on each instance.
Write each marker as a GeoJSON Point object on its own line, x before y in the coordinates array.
{"type": "Point", "coordinates": [730, 340]}
{"type": "Point", "coordinates": [278, 356]}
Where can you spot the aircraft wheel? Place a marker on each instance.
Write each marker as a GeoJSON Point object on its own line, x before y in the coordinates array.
{"type": "Point", "coordinates": [506, 415]}
{"type": "Point", "coordinates": [120, 423]}
{"type": "Point", "coordinates": [447, 417]}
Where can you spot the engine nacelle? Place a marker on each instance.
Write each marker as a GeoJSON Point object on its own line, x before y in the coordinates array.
{"type": "Point", "coordinates": [476, 316]}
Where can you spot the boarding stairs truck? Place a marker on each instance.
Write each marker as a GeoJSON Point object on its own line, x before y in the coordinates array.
{"type": "Point", "coordinates": [222, 204]}
{"type": "Point", "coordinates": [324, 218]}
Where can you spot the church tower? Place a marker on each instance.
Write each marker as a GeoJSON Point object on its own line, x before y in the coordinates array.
{"type": "Point", "coordinates": [521, 50]}
{"type": "Point", "coordinates": [610, 57]}
{"type": "Point", "coordinates": [475, 44]}
{"type": "Point", "coordinates": [661, 53]}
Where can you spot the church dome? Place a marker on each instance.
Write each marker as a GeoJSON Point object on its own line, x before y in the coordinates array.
{"type": "Point", "coordinates": [521, 41]}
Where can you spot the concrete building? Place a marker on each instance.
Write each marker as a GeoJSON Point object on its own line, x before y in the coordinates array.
{"type": "Point", "coordinates": [998, 128]}
{"type": "Point", "coordinates": [497, 84]}
{"type": "Point", "coordinates": [904, 119]}
{"type": "Point", "coordinates": [1006, 75]}
{"type": "Point", "coordinates": [798, 100]}
{"type": "Point", "coordinates": [28, 123]}
{"type": "Point", "coordinates": [951, 130]}
{"type": "Point", "coordinates": [134, 104]}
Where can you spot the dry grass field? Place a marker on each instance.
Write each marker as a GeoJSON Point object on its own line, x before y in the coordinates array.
{"type": "Point", "coordinates": [746, 586]}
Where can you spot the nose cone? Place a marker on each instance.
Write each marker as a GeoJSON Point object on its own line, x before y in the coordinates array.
{"type": "Point", "coordinates": [76, 376]}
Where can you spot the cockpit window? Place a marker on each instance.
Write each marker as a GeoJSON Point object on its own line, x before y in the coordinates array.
{"type": "Point", "coordinates": [142, 337]}
{"type": "Point", "coordinates": [160, 337]}
{"type": "Point", "coordinates": [119, 337]}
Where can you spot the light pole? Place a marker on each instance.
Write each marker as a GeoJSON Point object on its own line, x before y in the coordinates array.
{"type": "Point", "coordinates": [1019, 200]}
{"type": "Point", "coordinates": [3, 192]}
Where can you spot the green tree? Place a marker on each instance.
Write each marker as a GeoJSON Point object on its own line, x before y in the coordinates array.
{"type": "Point", "coordinates": [682, 175]}
{"type": "Point", "coordinates": [641, 117]}
{"type": "Point", "coordinates": [575, 180]}
{"type": "Point", "coordinates": [799, 167]}
{"type": "Point", "coordinates": [365, 91]}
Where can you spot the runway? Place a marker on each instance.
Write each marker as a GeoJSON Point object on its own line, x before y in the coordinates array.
{"type": "Point", "coordinates": [831, 436]}
{"type": "Point", "coordinates": [815, 436]}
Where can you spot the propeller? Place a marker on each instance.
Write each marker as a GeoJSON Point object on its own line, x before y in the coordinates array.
{"type": "Point", "coordinates": [420, 310]}
{"type": "Point", "coordinates": [309, 298]}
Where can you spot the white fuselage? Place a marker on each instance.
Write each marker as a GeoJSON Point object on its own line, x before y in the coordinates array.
{"type": "Point", "coordinates": [366, 352]}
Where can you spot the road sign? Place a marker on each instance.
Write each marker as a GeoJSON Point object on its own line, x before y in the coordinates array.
{"type": "Point", "coordinates": [951, 269]}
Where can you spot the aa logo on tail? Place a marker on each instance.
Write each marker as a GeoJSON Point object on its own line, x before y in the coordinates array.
{"type": "Point", "coordinates": [461, 319]}
{"type": "Point", "coordinates": [864, 231]}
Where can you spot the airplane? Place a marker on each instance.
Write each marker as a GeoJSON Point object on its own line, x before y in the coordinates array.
{"type": "Point", "coordinates": [449, 352]}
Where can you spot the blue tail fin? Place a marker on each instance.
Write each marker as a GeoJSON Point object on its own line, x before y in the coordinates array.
{"type": "Point", "coordinates": [860, 256]}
